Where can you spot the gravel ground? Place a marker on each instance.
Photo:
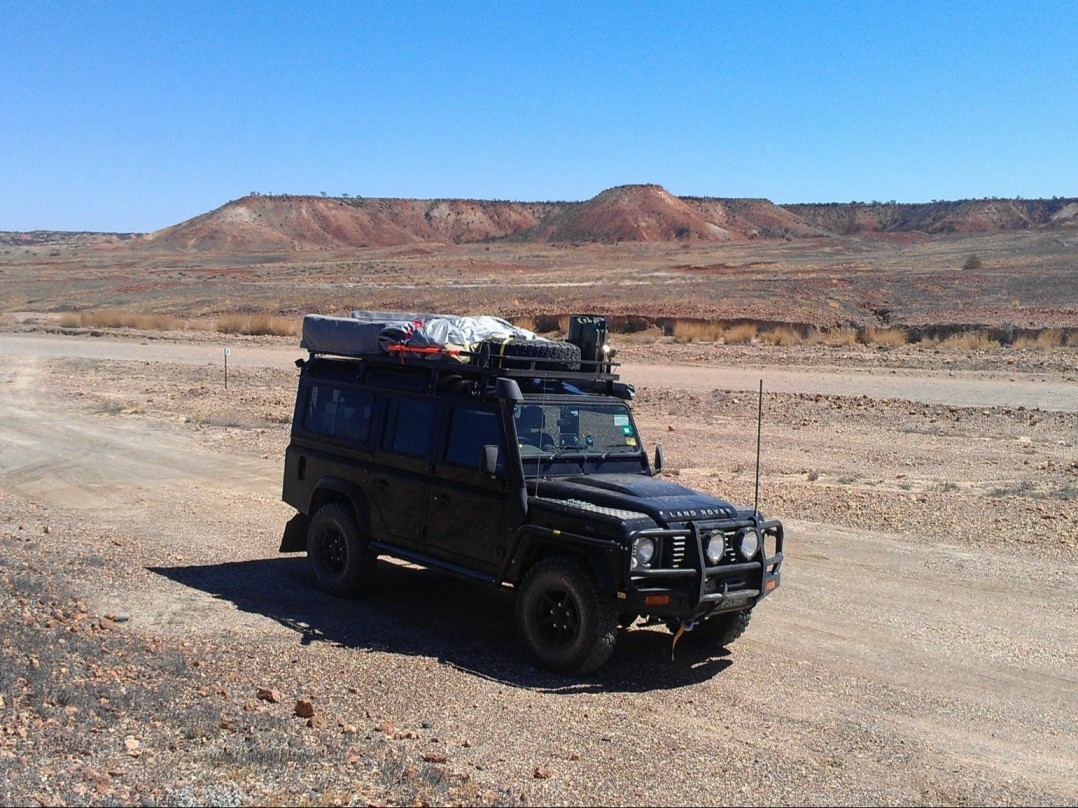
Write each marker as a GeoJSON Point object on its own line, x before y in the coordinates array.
{"type": "Point", "coordinates": [158, 650]}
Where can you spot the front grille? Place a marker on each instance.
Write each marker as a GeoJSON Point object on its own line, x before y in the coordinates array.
{"type": "Point", "coordinates": [676, 548]}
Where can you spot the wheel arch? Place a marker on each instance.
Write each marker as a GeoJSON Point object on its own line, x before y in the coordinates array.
{"type": "Point", "coordinates": [329, 489]}
{"type": "Point", "coordinates": [535, 547]}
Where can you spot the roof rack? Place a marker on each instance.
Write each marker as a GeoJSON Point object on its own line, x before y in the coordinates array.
{"type": "Point", "coordinates": [591, 370]}
{"type": "Point", "coordinates": [597, 377]}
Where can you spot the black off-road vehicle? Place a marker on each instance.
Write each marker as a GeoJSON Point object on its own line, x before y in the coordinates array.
{"type": "Point", "coordinates": [520, 464]}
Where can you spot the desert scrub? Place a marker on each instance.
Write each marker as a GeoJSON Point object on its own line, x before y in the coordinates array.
{"type": "Point", "coordinates": [694, 331]}
{"type": "Point", "coordinates": [257, 325]}
{"type": "Point", "coordinates": [838, 337]}
{"type": "Point", "coordinates": [969, 340]}
{"type": "Point", "coordinates": [740, 334]}
{"type": "Point", "coordinates": [115, 318]}
{"type": "Point", "coordinates": [783, 336]}
{"type": "Point", "coordinates": [884, 337]}
{"type": "Point", "coordinates": [1047, 339]}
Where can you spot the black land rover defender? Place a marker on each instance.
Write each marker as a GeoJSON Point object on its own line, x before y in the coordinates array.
{"type": "Point", "coordinates": [520, 466]}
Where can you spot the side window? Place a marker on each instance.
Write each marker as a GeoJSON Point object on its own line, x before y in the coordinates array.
{"type": "Point", "coordinates": [408, 426]}
{"type": "Point", "coordinates": [344, 414]}
{"type": "Point", "coordinates": [471, 430]}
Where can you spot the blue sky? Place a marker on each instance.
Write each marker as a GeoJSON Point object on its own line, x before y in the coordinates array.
{"type": "Point", "coordinates": [131, 116]}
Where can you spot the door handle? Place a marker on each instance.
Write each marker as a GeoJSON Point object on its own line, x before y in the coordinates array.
{"type": "Point", "coordinates": [382, 482]}
{"type": "Point", "coordinates": [441, 499]}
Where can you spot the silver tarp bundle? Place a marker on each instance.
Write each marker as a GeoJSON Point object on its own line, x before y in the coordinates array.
{"type": "Point", "coordinates": [372, 332]}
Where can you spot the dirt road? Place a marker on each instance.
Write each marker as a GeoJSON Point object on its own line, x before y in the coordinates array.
{"type": "Point", "coordinates": [962, 388]}
{"type": "Point", "coordinates": [894, 665]}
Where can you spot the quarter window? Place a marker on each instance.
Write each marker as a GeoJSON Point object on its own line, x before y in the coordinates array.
{"type": "Point", "coordinates": [408, 426]}
{"type": "Point", "coordinates": [344, 414]}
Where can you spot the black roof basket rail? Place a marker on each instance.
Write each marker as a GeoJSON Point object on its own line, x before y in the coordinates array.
{"type": "Point", "coordinates": [592, 376]}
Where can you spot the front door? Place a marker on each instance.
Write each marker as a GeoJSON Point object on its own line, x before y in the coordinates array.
{"type": "Point", "coordinates": [467, 508]}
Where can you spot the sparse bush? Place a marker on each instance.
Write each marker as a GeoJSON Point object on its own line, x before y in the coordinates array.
{"type": "Point", "coordinates": [839, 337]}
{"type": "Point", "coordinates": [1050, 338]}
{"type": "Point", "coordinates": [740, 334]}
{"type": "Point", "coordinates": [527, 323]}
{"type": "Point", "coordinates": [69, 320]}
{"type": "Point", "coordinates": [114, 318]}
{"type": "Point", "coordinates": [969, 340]}
{"type": "Point", "coordinates": [783, 336]}
{"type": "Point", "coordinates": [886, 337]}
{"type": "Point", "coordinates": [696, 331]}
{"type": "Point", "coordinates": [257, 325]}
{"type": "Point", "coordinates": [973, 261]}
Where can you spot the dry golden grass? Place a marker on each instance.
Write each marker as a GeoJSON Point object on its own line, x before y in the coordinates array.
{"type": "Point", "coordinates": [697, 331]}
{"type": "Point", "coordinates": [839, 337]}
{"type": "Point", "coordinates": [527, 323]}
{"type": "Point", "coordinates": [258, 325]}
{"type": "Point", "coordinates": [887, 337]}
{"type": "Point", "coordinates": [1049, 338]}
{"type": "Point", "coordinates": [645, 337]}
{"type": "Point", "coordinates": [969, 340]}
{"type": "Point", "coordinates": [740, 334]}
{"type": "Point", "coordinates": [114, 318]}
{"type": "Point", "coordinates": [782, 335]}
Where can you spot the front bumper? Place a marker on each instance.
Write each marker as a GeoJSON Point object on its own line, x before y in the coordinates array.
{"type": "Point", "coordinates": [686, 587]}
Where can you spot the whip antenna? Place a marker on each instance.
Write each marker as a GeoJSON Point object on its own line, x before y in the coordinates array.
{"type": "Point", "coordinates": [759, 428]}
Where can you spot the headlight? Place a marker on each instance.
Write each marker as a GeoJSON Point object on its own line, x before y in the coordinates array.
{"type": "Point", "coordinates": [748, 542]}
{"type": "Point", "coordinates": [643, 552]}
{"type": "Point", "coordinates": [715, 547]}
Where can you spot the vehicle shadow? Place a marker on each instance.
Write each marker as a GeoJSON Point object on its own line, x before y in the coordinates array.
{"type": "Point", "coordinates": [418, 612]}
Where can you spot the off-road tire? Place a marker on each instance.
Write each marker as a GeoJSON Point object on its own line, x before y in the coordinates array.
{"type": "Point", "coordinates": [518, 353]}
{"type": "Point", "coordinates": [337, 552]}
{"type": "Point", "coordinates": [722, 629]}
{"type": "Point", "coordinates": [565, 622]}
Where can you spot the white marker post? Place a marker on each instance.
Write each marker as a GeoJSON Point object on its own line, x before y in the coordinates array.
{"type": "Point", "coordinates": [228, 352]}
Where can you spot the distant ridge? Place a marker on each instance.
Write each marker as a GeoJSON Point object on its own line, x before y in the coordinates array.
{"type": "Point", "coordinates": [644, 212]}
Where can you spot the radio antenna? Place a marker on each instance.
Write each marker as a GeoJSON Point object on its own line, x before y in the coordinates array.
{"type": "Point", "coordinates": [759, 428]}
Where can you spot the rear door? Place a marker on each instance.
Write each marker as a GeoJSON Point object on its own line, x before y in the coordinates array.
{"type": "Point", "coordinates": [399, 478]}
{"type": "Point", "coordinates": [466, 515]}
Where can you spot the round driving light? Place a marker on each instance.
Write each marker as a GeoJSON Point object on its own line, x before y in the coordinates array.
{"type": "Point", "coordinates": [715, 547]}
{"type": "Point", "coordinates": [643, 552]}
{"type": "Point", "coordinates": [748, 543]}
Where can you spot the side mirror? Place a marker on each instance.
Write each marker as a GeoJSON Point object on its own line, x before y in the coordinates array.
{"type": "Point", "coordinates": [657, 466]}
{"type": "Point", "coordinates": [488, 462]}
{"type": "Point", "coordinates": [507, 390]}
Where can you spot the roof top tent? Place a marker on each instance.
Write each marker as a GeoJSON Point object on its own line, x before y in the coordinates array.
{"type": "Point", "coordinates": [480, 348]}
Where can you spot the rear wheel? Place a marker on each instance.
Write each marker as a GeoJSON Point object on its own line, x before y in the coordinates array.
{"type": "Point", "coordinates": [339, 558]}
{"type": "Point", "coordinates": [566, 624]}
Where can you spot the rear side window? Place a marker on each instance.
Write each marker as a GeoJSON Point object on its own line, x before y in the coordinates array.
{"type": "Point", "coordinates": [471, 430]}
{"type": "Point", "coordinates": [408, 426]}
{"type": "Point", "coordinates": [338, 413]}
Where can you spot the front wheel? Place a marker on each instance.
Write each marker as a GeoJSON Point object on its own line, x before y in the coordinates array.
{"type": "Point", "coordinates": [722, 629]}
{"type": "Point", "coordinates": [564, 621]}
{"type": "Point", "coordinates": [338, 555]}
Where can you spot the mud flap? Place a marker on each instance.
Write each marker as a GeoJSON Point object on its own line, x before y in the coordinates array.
{"type": "Point", "coordinates": [294, 539]}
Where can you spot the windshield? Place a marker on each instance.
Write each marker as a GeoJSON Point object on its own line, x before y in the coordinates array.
{"type": "Point", "coordinates": [575, 428]}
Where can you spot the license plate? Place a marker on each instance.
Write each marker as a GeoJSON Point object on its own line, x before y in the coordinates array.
{"type": "Point", "coordinates": [734, 601]}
